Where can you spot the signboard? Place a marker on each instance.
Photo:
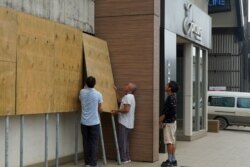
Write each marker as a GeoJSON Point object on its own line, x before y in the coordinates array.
{"type": "Point", "coordinates": [215, 6]}
{"type": "Point", "coordinates": [217, 88]}
{"type": "Point", "coordinates": [188, 21]}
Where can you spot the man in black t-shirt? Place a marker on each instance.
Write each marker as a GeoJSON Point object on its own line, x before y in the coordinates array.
{"type": "Point", "coordinates": [168, 122]}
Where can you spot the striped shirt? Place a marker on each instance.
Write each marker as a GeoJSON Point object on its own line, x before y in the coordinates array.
{"type": "Point", "coordinates": [90, 99]}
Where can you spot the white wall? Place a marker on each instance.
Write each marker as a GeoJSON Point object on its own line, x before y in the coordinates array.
{"type": "Point", "coordinates": [77, 13]}
{"type": "Point", "coordinates": [34, 138]}
{"type": "Point", "coordinates": [202, 4]}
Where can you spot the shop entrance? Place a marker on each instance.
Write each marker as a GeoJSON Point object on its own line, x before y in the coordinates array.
{"type": "Point", "coordinates": [180, 81]}
{"type": "Point", "coordinates": [191, 74]}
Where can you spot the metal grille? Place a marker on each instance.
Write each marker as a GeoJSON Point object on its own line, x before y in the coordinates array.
{"type": "Point", "coordinates": [224, 62]}
{"type": "Point", "coordinates": [226, 43]}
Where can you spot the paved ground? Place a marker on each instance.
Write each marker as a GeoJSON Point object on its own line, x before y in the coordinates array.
{"type": "Point", "coordinates": [228, 148]}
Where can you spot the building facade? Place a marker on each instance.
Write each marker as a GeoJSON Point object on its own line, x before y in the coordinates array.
{"type": "Point", "coordinates": [187, 39]}
{"type": "Point", "coordinates": [150, 43]}
{"type": "Point", "coordinates": [23, 138]}
{"type": "Point", "coordinates": [131, 29]}
{"type": "Point", "coordinates": [228, 60]}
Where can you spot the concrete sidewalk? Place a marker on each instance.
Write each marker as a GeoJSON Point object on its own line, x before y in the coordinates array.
{"type": "Point", "coordinates": [228, 148]}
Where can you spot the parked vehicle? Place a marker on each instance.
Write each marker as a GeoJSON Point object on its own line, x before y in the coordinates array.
{"type": "Point", "coordinates": [230, 108]}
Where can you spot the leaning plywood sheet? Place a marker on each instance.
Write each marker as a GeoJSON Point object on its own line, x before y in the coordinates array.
{"type": "Point", "coordinates": [7, 88]}
{"type": "Point", "coordinates": [35, 63]}
{"type": "Point", "coordinates": [68, 68]}
{"type": "Point", "coordinates": [8, 34]}
{"type": "Point", "coordinates": [98, 65]}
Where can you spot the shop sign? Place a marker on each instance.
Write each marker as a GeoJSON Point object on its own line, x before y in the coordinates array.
{"type": "Point", "coordinates": [190, 28]}
{"type": "Point", "coordinates": [188, 21]}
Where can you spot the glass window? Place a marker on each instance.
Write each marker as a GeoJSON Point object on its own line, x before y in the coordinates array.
{"type": "Point", "coordinates": [243, 102]}
{"type": "Point", "coordinates": [221, 101]}
{"type": "Point", "coordinates": [202, 88]}
{"type": "Point", "coordinates": [194, 79]}
{"type": "Point", "coordinates": [195, 87]}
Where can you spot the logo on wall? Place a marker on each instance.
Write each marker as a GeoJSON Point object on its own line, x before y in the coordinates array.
{"type": "Point", "coordinates": [190, 28]}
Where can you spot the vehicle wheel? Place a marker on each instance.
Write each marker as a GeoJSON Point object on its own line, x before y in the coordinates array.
{"type": "Point", "coordinates": [223, 122]}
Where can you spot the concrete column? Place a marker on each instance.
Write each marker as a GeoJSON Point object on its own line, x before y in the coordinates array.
{"type": "Point", "coordinates": [188, 89]}
{"type": "Point", "coordinates": [205, 87]}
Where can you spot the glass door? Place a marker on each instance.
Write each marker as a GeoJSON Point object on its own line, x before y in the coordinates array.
{"type": "Point", "coordinates": [198, 75]}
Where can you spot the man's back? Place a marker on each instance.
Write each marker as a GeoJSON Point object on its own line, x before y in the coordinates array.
{"type": "Point", "coordinates": [90, 99]}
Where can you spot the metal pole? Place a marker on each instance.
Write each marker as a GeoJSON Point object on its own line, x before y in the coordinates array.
{"type": "Point", "coordinates": [76, 137]}
{"type": "Point", "coordinates": [57, 138]}
{"type": "Point", "coordinates": [46, 139]}
{"type": "Point", "coordinates": [6, 140]}
{"type": "Point", "coordinates": [102, 143]}
{"type": "Point", "coordinates": [21, 139]}
{"type": "Point", "coordinates": [116, 141]}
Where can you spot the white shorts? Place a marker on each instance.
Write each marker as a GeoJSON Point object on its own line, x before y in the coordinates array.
{"type": "Point", "coordinates": [169, 133]}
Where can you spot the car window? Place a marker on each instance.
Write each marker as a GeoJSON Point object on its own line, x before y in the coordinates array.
{"type": "Point", "coordinates": [221, 101]}
{"type": "Point", "coordinates": [243, 102]}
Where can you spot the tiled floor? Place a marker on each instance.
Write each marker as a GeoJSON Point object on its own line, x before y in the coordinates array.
{"type": "Point", "coordinates": [228, 148]}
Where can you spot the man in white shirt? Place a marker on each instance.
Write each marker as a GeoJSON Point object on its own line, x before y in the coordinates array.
{"type": "Point", "coordinates": [91, 101]}
{"type": "Point", "coordinates": [126, 117]}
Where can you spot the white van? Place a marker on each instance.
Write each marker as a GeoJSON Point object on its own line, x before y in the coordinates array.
{"type": "Point", "coordinates": [230, 108]}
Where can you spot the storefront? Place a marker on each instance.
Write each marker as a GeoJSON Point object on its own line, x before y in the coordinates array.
{"type": "Point", "coordinates": [185, 40]}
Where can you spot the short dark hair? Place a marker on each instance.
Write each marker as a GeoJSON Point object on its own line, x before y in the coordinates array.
{"type": "Point", "coordinates": [174, 86]}
{"type": "Point", "coordinates": [90, 81]}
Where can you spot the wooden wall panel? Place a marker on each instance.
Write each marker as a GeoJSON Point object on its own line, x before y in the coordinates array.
{"type": "Point", "coordinates": [7, 88]}
{"type": "Point", "coordinates": [68, 68]}
{"type": "Point", "coordinates": [131, 48]}
{"type": "Point", "coordinates": [131, 44]}
{"type": "Point", "coordinates": [8, 34]}
{"type": "Point", "coordinates": [49, 65]}
{"type": "Point", "coordinates": [98, 65]}
{"type": "Point", "coordinates": [156, 88]}
{"type": "Point", "coordinates": [35, 62]}
{"type": "Point", "coordinates": [124, 7]}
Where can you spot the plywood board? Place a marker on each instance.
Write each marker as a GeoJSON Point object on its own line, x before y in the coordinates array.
{"type": "Point", "coordinates": [68, 68]}
{"type": "Point", "coordinates": [98, 64]}
{"type": "Point", "coordinates": [7, 88]}
{"type": "Point", "coordinates": [35, 62]}
{"type": "Point", "coordinates": [8, 34]}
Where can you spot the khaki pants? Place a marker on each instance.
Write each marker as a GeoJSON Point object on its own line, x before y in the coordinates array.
{"type": "Point", "coordinates": [169, 133]}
